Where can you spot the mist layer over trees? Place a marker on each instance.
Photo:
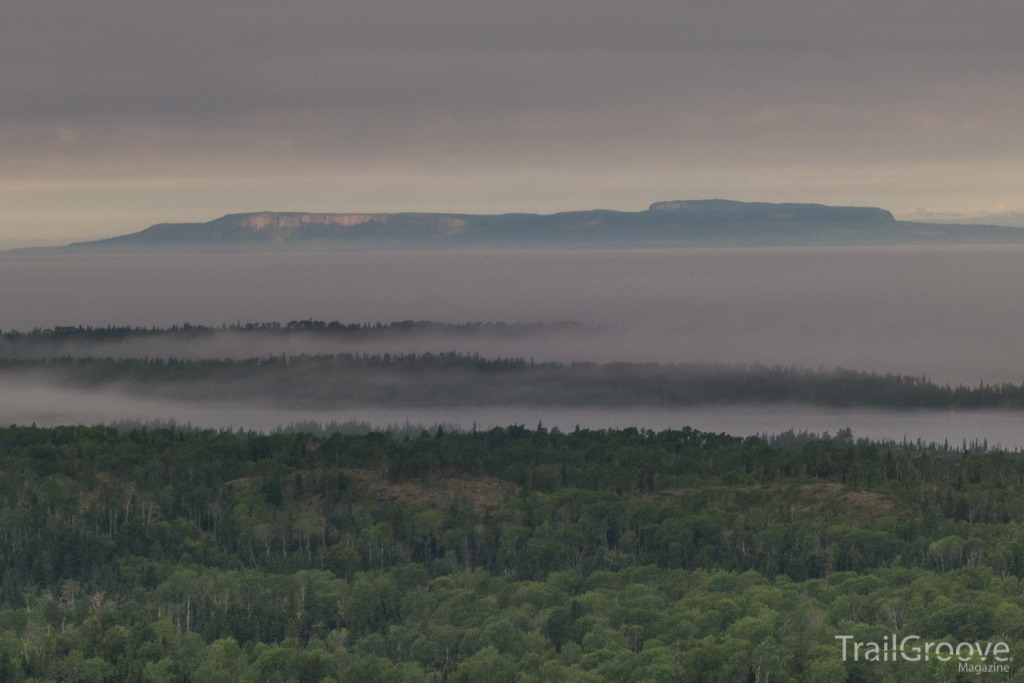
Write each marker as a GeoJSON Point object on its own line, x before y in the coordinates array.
{"type": "Point", "coordinates": [451, 379]}
{"type": "Point", "coordinates": [952, 313]}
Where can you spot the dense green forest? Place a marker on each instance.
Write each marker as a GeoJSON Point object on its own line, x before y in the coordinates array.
{"type": "Point", "coordinates": [449, 379]}
{"type": "Point", "coordinates": [507, 555]}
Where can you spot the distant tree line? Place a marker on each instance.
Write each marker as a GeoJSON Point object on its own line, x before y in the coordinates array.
{"type": "Point", "coordinates": [81, 333]}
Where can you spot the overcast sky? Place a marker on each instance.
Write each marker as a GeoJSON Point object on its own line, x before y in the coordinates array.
{"type": "Point", "coordinates": [116, 114]}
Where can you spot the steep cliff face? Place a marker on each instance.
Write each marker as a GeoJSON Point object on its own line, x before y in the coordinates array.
{"type": "Point", "coordinates": [293, 224]}
{"type": "Point", "coordinates": [265, 227]}
{"type": "Point", "coordinates": [265, 219]}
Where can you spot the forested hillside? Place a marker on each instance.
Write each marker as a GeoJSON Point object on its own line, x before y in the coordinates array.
{"type": "Point", "coordinates": [507, 555]}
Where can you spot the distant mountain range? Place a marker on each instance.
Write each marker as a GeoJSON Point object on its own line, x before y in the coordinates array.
{"type": "Point", "coordinates": [711, 222]}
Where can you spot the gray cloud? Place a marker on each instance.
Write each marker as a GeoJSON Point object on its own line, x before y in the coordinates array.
{"type": "Point", "coordinates": [860, 97]}
{"type": "Point", "coordinates": [192, 60]}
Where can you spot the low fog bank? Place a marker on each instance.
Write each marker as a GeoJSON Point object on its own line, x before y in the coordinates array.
{"type": "Point", "coordinates": [328, 382]}
{"type": "Point", "coordinates": [955, 314]}
{"type": "Point", "coordinates": [52, 406]}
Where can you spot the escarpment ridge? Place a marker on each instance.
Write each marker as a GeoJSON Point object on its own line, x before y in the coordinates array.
{"type": "Point", "coordinates": [697, 223]}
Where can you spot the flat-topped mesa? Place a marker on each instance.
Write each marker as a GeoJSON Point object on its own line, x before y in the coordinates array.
{"type": "Point", "coordinates": [727, 210]}
{"type": "Point", "coordinates": [678, 223]}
